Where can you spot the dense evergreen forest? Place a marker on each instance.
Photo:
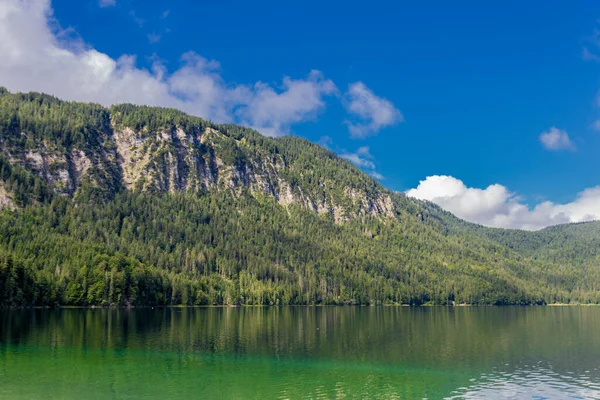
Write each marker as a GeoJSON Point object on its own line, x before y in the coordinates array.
{"type": "Point", "coordinates": [140, 206]}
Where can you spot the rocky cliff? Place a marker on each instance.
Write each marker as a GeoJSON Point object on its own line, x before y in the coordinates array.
{"type": "Point", "coordinates": [161, 150]}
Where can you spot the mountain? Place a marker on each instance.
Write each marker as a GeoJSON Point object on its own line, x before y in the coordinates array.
{"type": "Point", "coordinates": [575, 243]}
{"type": "Point", "coordinates": [74, 146]}
{"type": "Point", "coordinates": [132, 205]}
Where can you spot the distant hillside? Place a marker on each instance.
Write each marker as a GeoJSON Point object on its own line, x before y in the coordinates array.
{"type": "Point", "coordinates": [576, 243]}
{"type": "Point", "coordinates": [134, 205]}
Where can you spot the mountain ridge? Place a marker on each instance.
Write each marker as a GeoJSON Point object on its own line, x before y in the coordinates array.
{"type": "Point", "coordinates": [125, 146]}
{"type": "Point", "coordinates": [136, 205]}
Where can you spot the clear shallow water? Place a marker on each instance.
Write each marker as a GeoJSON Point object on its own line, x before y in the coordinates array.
{"type": "Point", "coordinates": [301, 352]}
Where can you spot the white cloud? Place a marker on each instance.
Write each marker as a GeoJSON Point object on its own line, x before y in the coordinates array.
{"type": "Point", "coordinates": [556, 139]}
{"type": "Point", "coordinates": [37, 58]}
{"type": "Point", "coordinates": [271, 112]}
{"type": "Point", "coordinates": [596, 125]}
{"type": "Point", "coordinates": [496, 206]}
{"type": "Point", "coordinates": [363, 159]}
{"type": "Point", "coordinates": [107, 3]}
{"type": "Point", "coordinates": [373, 112]}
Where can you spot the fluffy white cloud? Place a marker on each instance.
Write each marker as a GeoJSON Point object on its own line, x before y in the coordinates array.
{"type": "Point", "coordinates": [373, 112]}
{"type": "Point", "coordinates": [271, 112]}
{"type": "Point", "coordinates": [556, 139]}
{"type": "Point", "coordinates": [363, 159]}
{"type": "Point", "coordinates": [36, 57]}
{"type": "Point", "coordinates": [496, 206]}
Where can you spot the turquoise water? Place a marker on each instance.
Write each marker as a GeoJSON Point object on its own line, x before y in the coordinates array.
{"type": "Point", "coordinates": [301, 352]}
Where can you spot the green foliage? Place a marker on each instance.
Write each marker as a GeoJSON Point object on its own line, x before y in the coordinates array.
{"type": "Point", "coordinates": [572, 244]}
{"type": "Point", "coordinates": [25, 187]}
{"type": "Point", "coordinates": [31, 118]}
{"type": "Point", "coordinates": [168, 242]}
{"type": "Point", "coordinates": [152, 119]}
{"type": "Point", "coordinates": [215, 249]}
{"type": "Point", "coordinates": [39, 123]}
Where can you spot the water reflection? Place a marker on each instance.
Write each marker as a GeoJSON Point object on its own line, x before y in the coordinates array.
{"type": "Point", "coordinates": [301, 352]}
{"type": "Point", "coordinates": [534, 382]}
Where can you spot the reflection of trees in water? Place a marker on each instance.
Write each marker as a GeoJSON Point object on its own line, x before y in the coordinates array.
{"type": "Point", "coordinates": [465, 337]}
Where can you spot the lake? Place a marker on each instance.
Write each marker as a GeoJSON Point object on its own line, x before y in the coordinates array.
{"type": "Point", "coordinates": [301, 352]}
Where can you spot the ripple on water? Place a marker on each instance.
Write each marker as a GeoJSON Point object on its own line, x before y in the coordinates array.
{"type": "Point", "coordinates": [535, 382]}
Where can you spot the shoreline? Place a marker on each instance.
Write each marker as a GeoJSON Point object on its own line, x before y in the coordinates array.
{"type": "Point", "coordinates": [291, 305]}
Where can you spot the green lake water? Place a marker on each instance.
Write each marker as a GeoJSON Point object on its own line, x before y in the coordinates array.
{"type": "Point", "coordinates": [301, 352]}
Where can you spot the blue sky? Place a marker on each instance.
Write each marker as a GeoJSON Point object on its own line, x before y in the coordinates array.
{"type": "Point", "coordinates": [464, 90]}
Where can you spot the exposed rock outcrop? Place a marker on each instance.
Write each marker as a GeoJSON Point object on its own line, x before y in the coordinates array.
{"type": "Point", "coordinates": [193, 159]}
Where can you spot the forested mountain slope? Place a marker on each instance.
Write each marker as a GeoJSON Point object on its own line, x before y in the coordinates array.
{"type": "Point", "coordinates": [135, 205]}
{"type": "Point", "coordinates": [576, 243]}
